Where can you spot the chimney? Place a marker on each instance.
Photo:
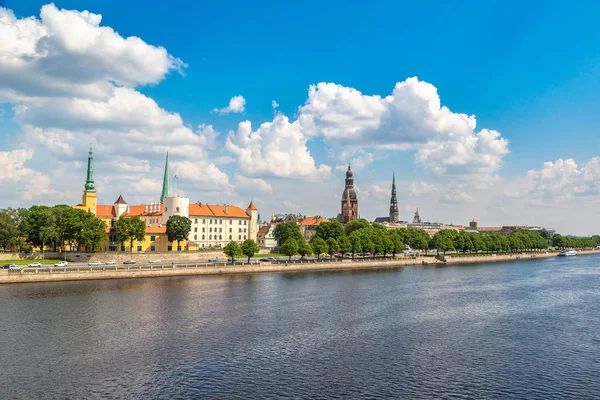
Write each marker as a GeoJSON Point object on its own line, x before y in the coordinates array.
{"type": "Point", "coordinates": [226, 209]}
{"type": "Point", "coordinates": [146, 208]}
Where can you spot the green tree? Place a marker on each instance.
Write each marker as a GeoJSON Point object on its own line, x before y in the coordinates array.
{"type": "Point", "coordinates": [355, 243]}
{"type": "Point", "coordinates": [330, 229]}
{"type": "Point", "coordinates": [130, 229]}
{"type": "Point", "coordinates": [8, 230]}
{"type": "Point", "coordinates": [596, 239]}
{"type": "Point", "coordinates": [290, 248]}
{"type": "Point", "coordinates": [178, 229]}
{"type": "Point", "coordinates": [285, 231]}
{"type": "Point", "coordinates": [344, 245]}
{"type": "Point", "coordinates": [38, 219]}
{"type": "Point", "coordinates": [233, 249]}
{"type": "Point", "coordinates": [92, 231]}
{"type": "Point", "coordinates": [333, 246]}
{"type": "Point", "coordinates": [443, 240]}
{"type": "Point", "coordinates": [304, 249]}
{"type": "Point", "coordinates": [355, 225]}
{"type": "Point", "coordinates": [249, 248]}
{"type": "Point", "coordinates": [418, 239]}
{"type": "Point", "coordinates": [319, 246]}
{"type": "Point", "coordinates": [397, 243]}
{"type": "Point", "coordinates": [558, 241]}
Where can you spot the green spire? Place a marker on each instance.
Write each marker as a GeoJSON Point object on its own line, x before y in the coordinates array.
{"type": "Point", "coordinates": [166, 189]}
{"type": "Point", "coordinates": [89, 182]}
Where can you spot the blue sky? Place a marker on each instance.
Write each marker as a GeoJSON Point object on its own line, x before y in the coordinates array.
{"type": "Point", "coordinates": [529, 71]}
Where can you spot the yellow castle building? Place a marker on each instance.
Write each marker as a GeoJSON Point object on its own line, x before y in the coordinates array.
{"type": "Point", "coordinates": [212, 225]}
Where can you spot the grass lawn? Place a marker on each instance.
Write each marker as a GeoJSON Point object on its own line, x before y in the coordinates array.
{"type": "Point", "coordinates": [26, 262]}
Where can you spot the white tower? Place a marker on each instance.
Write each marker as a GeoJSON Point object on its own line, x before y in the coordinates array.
{"type": "Point", "coordinates": [175, 206]}
{"type": "Point", "coordinates": [253, 228]}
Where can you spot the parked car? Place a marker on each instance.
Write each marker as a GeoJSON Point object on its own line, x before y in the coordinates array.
{"type": "Point", "coordinates": [35, 265]}
{"type": "Point", "coordinates": [264, 259]}
{"type": "Point", "coordinates": [61, 264]}
{"type": "Point", "coordinates": [92, 263]}
{"type": "Point", "coordinates": [14, 267]}
{"type": "Point", "coordinates": [7, 266]}
{"type": "Point", "coordinates": [111, 262]}
{"type": "Point", "coordinates": [155, 262]}
{"type": "Point", "coordinates": [128, 262]}
{"type": "Point", "coordinates": [213, 260]}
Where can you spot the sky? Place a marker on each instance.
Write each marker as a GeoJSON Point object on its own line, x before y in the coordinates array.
{"type": "Point", "coordinates": [484, 110]}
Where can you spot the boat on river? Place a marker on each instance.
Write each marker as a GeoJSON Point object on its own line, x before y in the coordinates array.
{"type": "Point", "coordinates": [569, 253]}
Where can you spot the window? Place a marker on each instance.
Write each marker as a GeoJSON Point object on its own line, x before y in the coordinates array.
{"type": "Point", "coordinates": [240, 230]}
{"type": "Point", "coordinates": [152, 248]}
{"type": "Point", "coordinates": [244, 237]}
{"type": "Point", "coordinates": [203, 229]}
{"type": "Point", "coordinates": [196, 221]}
{"type": "Point", "coordinates": [202, 238]}
{"type": "Point", "coordinates": [220, 222]}
{"type": "Point", "coordinates": [195, 237]}
{"type": "Point", "coordinates": [176, 209]}
{"type": "Point", "coordinates": [229, 237]}
{"type": "Point", "coordinates": [195, 229]}
{"type": "Point", "coordinates": [220, 237]}
{"type": "Point", "coordinates": [203, 220]}
{"type": "Point", "coordinates": [229, 230]}
{"type": "Point", "coordinates": [210, 229]}
{"type": "Point", "coordinates": [220, 230]}
{"type": "Point", "coordinates": [239, 237]}
{"type": "Point", "coordinates": [170, 248]}
{"type": "Point", "coordinates": [139, 248]}
{"type": "Point", "coordinates": [245, 222]}
{"type": "Point", "coordinates": [240, 222]}
{"type": "Point", "coordinates": [152, 238]}
{"type": "Point", "coordinates": [230, 222]}
{"type": "Point", "coordinates": [244, 230]}
{"type": "Point", "coordinates": [209, 237]}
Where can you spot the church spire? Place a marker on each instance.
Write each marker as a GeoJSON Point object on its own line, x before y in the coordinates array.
{"type": "Point", "coordinates": [89, 182]}
{"type": "Point", "coordinates": [166, 189]}
{"type": "Point", "coordinates": [393, 201]}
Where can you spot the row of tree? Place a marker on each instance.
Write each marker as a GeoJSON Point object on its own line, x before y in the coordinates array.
{"type": "Point", "coordinates": [55, 227]}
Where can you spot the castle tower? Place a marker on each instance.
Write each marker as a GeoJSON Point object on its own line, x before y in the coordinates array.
{"type": "Point", "coordinates": [254, 221]}
{"type": "Point", "coordinates": [120, 206]}
{"type": "Point", "coordinates": [349, 199]}
{"type": "Point", "coordinates": [89, 199]}
{"type": "Point", "coordinates": [166, 189]}
{"type": "Point", "coordinates": [393, 201]}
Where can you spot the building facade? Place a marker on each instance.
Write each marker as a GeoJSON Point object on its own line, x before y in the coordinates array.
{"type": "Point", "coordinates": [349, 199]}
{"type": "Point", "coordinates": [212, 225]}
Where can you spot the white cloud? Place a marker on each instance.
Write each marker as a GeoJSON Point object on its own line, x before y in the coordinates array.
{"type": "Point", "coordinates": [274, 104]}
{"type": "Point", "coordinates": [420, 188]}
{"type": "Point", "coordinates": [288, 204]}
{"type": "Point", "coordinates": [359, 162]}
{"type": "Point", "coordinates": [68, 53]}
{"type": "Point", "coordinates": [456, 198]}
{"type": "Point", "coordinates": [19, 180]}
{"type": "Point", "coordinates": [71, 80]}
{"type": "Point", "coordinates": [236, 105]}
{"type": "Point", "coordinates": [276, 148]}
{"type": "Point", "coordinates": [252, 185]}
{"type": "Point", "coordinates": [565, 179]}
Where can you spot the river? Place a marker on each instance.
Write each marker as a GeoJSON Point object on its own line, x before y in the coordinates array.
{"type": "Point", "coordinates": [511, 330]}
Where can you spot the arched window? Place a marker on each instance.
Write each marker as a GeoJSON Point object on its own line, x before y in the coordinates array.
{"type": "Point", "coordinates": [220, 237]}
{"type": "Point", "coordinates": [203, 237]}
{"type": "Point", "coordinates": [209, 237]}
{"type": "Point", "coordinates": [195, 237]}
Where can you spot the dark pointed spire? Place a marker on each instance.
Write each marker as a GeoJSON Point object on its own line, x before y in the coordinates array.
{"type": "Point", "coordinates": [393, 201]}
{"type": "Point", "coordinates": [166, 189]}
{"type": "Point", "coordinates": [90, 186]}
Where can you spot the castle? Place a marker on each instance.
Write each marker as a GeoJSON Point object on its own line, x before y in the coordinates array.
{"type": "Point", "coordinates": [212, 225]}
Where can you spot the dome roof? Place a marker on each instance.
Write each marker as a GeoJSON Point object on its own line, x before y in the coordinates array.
{"type": "Point", "coordinates": [349, 193]}
{"type": "Point", "coordinates": [349, 173]}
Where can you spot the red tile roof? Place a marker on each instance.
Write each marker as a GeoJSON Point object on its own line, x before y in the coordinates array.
{"type": "Point", "coordinates": [312, 221]}
{"type": "Point", "coordinates": [200, 210]}
{"type": "Point", "coordinates": [251, 207]}
{"type": "Point", "coordinates": [156, 229]}
{"type": "Point", "coordinates": [105, 211]}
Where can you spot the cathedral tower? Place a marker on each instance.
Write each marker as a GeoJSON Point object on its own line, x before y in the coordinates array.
{"type": "Point", "coordinates": [349, 200]}
{"type": "Point", "coordinates": [89, 199]}
{"type": "Point", "coordinates": [393, 201]}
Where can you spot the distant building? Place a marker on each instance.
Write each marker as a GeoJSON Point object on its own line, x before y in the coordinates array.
{"type": "Point", "coordinates": [505, 229]}
{"type": "Point", "coordinates": [277, 218]}
{"type": "Point", "coordinates": [349, 199]}
{"type": "Point", "coordinates": [265, 238]}
{"type": "Point", "coordinates": [308, 226]}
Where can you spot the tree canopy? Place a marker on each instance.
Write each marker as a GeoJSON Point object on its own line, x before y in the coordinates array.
{"type": "Point", "coordinates": [178, 228]}
{"type": "Point", "coordinates": [249, 248]}
{"type": "Point", "coordinates": [290, 248]}
{"type": "Point", "coordinates": [130, 229]}
{"type": "Point", "coordinates": [285, 231]}
{"type": "Point", "coordinates": [233, 249]}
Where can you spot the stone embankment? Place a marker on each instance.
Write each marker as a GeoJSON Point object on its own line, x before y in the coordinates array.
{"type": "Point", "coordinates": [148, 271]}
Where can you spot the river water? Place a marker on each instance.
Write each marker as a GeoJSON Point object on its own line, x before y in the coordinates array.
{"type": "Point", "coordinates": [520, 330]}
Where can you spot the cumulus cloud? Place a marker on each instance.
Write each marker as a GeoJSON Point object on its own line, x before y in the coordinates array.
{"type": "Point", "coordinates": [420, 188]}
{"type": "Point", "coordinates": [237, 104]}
{"type": "Point", "coordinates": [274, 104]}
{"type": "Point", "coordinates": [252, 185]}
{"type": "Point", "coordinates": [359, 162]}
{"type": "Point", "coordinates": [71, 80]}
{"type": "Point", "coordinates": [67, 53]}
{"type": "Point", "coordinates": [19, 180]}
{"type": "Point", "coordinates": [276, 148]}
{"type": "Point", "coordinates": [565, 179]}
{"type": "Point", "coordinates": [288, 203]}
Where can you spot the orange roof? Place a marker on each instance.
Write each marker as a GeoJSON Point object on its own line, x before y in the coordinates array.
{"type": "Point", "coordinates": [312, 221]}
{"type": "Point", "coordinates": [200, 210]}
{"type": "Point", "coordinates": [140, 211]}
{"type": "Point", "coordinates": [156, 229]}
{"type": "Point", "coordinates": [264, 230]}
{"type": "Point", "coordinates": [251, 207]}
{"type": "Point", "coordinates": [105, 211]}
{"type": "Point", "coordinates": [232, 211]}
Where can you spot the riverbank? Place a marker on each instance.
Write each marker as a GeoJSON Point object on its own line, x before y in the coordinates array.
{"type": "Point", "coordinates": [152, 271]}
